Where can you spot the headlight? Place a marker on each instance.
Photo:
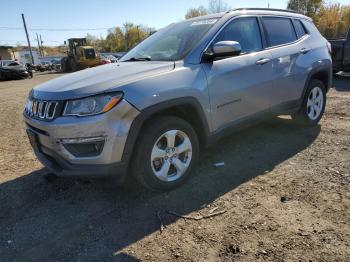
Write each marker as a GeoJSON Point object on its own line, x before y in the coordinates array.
{"type": "Point", "coordinates": [92, 105]}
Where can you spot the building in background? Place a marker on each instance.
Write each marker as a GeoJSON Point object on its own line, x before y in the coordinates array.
{"type": "Point", "coordinates": [51, 59]}
{"type": "Point", "coordinates": [6, 52]}
{"type": "Point", "coordinates": [23, 56]}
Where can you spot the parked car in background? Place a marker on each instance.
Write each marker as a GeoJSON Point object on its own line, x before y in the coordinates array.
{"type": "Point", "coordinates": [11, 69]}
{"type": "Point", "coordinates": [47, 65]}
{"type": "Point", "coordinates": [112, 58]}
{"type": "Point", "coordinates": [341, 53]}
{"type": "Point", "coordinates": [104, 60]}
{"type": "Point", "coordinates": [177, 92]}
{"type": "Point", "coordinates": [40, 68]}
{"type": "Point", "coordinates": [118, 54]}
{"type": "Point", "coordinates": [11, 64]}
{"type": "Point", "coordinates": [30, 68]}
{"type": "Point", "coordinates": [56, 65]}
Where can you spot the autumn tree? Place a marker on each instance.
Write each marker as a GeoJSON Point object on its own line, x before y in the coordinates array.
{"type": "Point", "coordinates": [334, 20]}
{"type": "Point", "coordinates": [194, 12]}
{"type": "Point", "coordinates": [217, 6]}
{"type": "Point", "coordinates": [310, 8]}
{"type": "Point", "coordinates": [120, 38]}
{"type": "Point", "coordinates": [214, 6]}
{"type": "Point", "coordinates": [133, 35]}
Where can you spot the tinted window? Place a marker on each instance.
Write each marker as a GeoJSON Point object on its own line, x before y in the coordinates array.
{"type": "Point", "coordinates": [243, 30]}
{"type": "Point", "coordinates": [299, 28]}
{"type": "Point", "coordinates": [279, 30]}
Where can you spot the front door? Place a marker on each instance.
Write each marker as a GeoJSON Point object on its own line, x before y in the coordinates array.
{"type": "Point", "coordinates": [240, 86]}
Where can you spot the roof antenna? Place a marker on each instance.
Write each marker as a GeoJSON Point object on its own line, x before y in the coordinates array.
{"type": "Point", "coordinates": [268, 4]}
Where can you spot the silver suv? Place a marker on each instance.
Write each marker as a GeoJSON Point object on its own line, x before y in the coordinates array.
{"type": "Point", "coordinates": [181, 89]}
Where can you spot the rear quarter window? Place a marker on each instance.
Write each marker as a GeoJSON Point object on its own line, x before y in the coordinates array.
{"type": "Point", "coordinates": [299, 28]}
{"type": "Point", "coordinates": [279, 30]}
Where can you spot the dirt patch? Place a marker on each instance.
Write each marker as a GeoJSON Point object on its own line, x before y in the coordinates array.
{"type": "Point", "coordinates": [285, 190]}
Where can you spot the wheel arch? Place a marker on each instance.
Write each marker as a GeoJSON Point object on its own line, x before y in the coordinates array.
{"type": "Point", "coordinates": [187, 108]}
{"type": "Point", "coordinates": [324, 74]}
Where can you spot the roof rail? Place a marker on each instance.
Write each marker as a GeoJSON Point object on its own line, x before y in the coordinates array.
{"type": "Point", "coordinates": [265, 9]}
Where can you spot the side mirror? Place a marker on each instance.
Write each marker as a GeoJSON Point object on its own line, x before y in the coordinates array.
{"type": "Point", "coordinates": [223, 49]}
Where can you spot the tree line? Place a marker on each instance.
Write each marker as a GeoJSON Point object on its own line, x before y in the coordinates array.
{"type": "Point", "coordinates": [331, 19]}
{"type": "Point", "coordinates": [120, 39]}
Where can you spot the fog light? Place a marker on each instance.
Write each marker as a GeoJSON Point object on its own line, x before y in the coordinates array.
{"type": "Point", "coordinates": [84, 147]}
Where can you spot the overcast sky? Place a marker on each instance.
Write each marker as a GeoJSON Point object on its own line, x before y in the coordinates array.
{"type": "Point", "coordinates": [101, 14]}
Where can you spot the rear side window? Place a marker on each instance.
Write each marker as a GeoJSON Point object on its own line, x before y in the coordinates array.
{"type": "Point", "coordinates": [243, 30]}
{"type": "Point", "coordinates": [299, 28]}
{"type": "Point", "coordinates": [279, 30]}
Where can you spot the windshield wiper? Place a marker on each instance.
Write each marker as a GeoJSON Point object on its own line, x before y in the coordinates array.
{"type": "Point", "coordinates": [145, 58]}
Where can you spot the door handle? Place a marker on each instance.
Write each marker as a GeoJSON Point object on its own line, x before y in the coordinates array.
{"type": "Point", "coordinates": [304, 50]}
{"type": "Point", "coordinates": [262, 61]}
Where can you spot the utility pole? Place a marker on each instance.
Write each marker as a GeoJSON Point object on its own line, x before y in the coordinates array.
{"type": "Point", "coordinates": [39, 48]}
{"type": "Point", "coordinates": [268, 4]}
{"type": "Point", "coordinates": [29, 46]}
{"type": "Point", "coordinates": [41, 44]}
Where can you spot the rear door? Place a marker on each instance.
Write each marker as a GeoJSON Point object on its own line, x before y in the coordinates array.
{"type": "Point", "coordinates": [288, 42]}
{"type": "Point", "coordinates": [240, 86]}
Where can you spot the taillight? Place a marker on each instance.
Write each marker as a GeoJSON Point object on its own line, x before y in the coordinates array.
{"type": "Point", "coordinates": [329, 46]}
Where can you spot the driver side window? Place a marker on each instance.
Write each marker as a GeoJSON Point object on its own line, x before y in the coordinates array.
{"type": "Point", "coordinates": [244, 30]}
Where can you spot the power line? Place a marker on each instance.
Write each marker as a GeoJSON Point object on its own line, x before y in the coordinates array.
{"type": "Point", "coordinates": [33, 39]}
{"type": "Point", "coordinates": [55, 29]}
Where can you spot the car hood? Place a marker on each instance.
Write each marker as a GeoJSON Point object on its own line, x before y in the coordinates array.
{"type": "Point", "coordinates": [98, 79]}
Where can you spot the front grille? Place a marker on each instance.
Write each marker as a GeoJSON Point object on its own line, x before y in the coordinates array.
{"type": "Point", "coordinates": [45, 110]}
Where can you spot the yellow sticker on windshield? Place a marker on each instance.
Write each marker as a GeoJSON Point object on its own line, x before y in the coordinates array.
{"type": "Point", "coordinates": [204, 22]}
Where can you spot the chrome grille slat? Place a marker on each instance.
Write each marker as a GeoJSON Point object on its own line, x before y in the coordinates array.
{"type": "Point", "coordinates": [41, 109]}
{"type": "Point", "coordinates": [51, 115]}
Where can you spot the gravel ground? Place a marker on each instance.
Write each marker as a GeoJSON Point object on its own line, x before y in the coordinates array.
{"type": "Point", "coordinates": [285, 190]}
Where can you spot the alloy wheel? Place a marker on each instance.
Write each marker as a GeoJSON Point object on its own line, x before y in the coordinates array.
{"type": "Point", "coordinates": [171, 155]}
{"type": "Point", "coordinates": [314, 103]}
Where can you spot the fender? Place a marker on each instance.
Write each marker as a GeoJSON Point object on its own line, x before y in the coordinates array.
{"type": "Point", "coordinates": [146, 113]}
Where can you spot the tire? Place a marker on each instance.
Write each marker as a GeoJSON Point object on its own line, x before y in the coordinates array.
{"type": "Point", "coordinates": [313, 105]}
{"type": "Point", "coordinates": [72, 64]}
{"type": "Point", "coordinates": [156, 137]}
{"type": "Point", "coordinates": [64, 65]}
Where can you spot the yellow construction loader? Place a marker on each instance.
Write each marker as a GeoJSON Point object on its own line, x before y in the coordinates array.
{"type": "Point", "coordinates": [79, 56]}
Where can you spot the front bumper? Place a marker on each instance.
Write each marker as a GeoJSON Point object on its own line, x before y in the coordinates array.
{"type": "Point", "coordinates": [112, 126]}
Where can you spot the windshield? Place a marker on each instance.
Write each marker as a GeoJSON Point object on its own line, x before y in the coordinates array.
{"type": "Point", "coordinates": [171, 43]}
